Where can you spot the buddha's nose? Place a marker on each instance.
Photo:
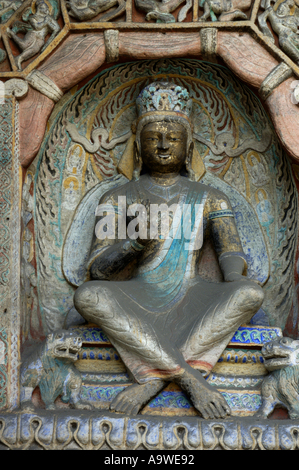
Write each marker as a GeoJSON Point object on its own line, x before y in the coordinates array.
{"type": "Point", "coordinates": [163, 143]}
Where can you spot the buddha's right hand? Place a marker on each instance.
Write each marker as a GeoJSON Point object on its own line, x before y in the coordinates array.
{"type": "Point", "coordinates": [141, 225]}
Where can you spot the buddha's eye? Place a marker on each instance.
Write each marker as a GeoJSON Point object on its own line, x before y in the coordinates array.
{"type": "Point", "coordinates": [172, 138]}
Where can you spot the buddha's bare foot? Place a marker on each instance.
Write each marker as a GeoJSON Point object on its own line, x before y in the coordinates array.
{"type": "Point", "coordinates": [134, 397]}
{"type": "Point", "coordinates": [208, 401]}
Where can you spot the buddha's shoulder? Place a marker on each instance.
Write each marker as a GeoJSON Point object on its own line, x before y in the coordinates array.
{"type": "Point", "coordinates": [129, 190]}
{"type": "Point", "coordinates": [133, 190]}
{"type": "Point", "coordinates": [210, 192]}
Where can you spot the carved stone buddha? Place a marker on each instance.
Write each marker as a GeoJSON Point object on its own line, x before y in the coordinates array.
{"type": "Point", "coordinates": [166, 322]}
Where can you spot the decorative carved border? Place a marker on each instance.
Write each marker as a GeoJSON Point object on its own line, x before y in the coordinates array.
{"type": "Point", "coordinates": [109, 431]}
{"type": "Point", "coordinates": [15, 293]}
{"type": "Point", "coordinates": [50, 91]}
{"type": "Point", "coordinates": [9, 248]}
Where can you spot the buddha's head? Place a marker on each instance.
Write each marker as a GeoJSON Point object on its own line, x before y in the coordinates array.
{"type": "Point", "coordinates": [163, 132]}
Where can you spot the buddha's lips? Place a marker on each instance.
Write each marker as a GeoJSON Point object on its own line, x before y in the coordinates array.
{"type": "Point", "coordinates": [164, 156]}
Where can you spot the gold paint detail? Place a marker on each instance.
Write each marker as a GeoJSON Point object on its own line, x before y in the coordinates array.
{"type": "Point", "coordinates": [33, 6]}
{"type": "Point", "coordinates": [90, 365]}
{"type": "Point", "coordinates": [126, 164]}
{"type": "Point", "coordinates": [69, 180]}
{"type": "Point", "coordinates": [243, 370]}
{"type": "Point", "coordinates": [197, 165]}
{"type": "Point", "coordinates": [247, 183]}
{"type": "Point", "coordinates": [255, 155]}
{"type": "Point", "coordinates": [261, 190]}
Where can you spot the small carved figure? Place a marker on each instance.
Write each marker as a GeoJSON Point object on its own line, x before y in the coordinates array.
{"type": "Point", "coordinates": [264, 210]}
{"type": "Point", "coordinates": [51, 367]}
{"type": "Point", "coordinates": [84, 10]}
{"type": "Point", "coordinates": [40, 25]}
{"type": "Point", "coordinates": [71, 193]}
{"type": "Point", "coordinates": [75, 160]}
{"type": "Point", "coordinates": [281, 386]}
{"type": "Point", "coordinates": [161, 10]}
{"type": "Point", "coordinates": [228, 10]}
{"type": "Point", "coordinates": [257, 170]}
{"type": "Point", "coordinates": [284, 21]}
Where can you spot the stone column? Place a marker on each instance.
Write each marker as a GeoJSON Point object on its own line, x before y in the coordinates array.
{"type": "Point", "coordinates": [10, 232]}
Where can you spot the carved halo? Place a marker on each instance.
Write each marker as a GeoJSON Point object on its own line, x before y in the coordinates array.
{"type": "Point", "coordinates": [36, 2]}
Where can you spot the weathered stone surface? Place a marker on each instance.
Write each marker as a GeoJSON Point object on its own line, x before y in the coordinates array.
{"type": "Point", "coordinates": [9, 253]}
{"type": "Point", "coordinates": [79, 56]}
{"type": "Point", "coordinates": [151, 45]}
{"type": "Point", "coordinates": [34, 113]}
{"type": "Point", "coordinates": [277, 76]}
{"type": "Point", "coordinates": [39, 81]}
{"type": "Point", "coordinates": [245, 57]}
{"type": "Point", "coordinates": [285, 116]}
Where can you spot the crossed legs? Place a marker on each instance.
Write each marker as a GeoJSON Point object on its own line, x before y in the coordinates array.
{"type": "Point", "coordinates": [148, 354]}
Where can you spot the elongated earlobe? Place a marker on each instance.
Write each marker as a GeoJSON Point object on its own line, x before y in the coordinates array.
{"type": "Point", "coordinates": [126, 164]}
{"type": "Point", "coordinates": [189, 159]}
{"type": "Point", "coordinates": [137, 161]}
{"type": "Point", "coordinates": [194, 164]}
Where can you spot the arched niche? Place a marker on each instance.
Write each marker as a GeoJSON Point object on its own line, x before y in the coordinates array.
{"type": "Point", "coordinates": [260, 184]}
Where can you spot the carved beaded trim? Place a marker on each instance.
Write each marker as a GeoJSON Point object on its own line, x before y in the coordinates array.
{"type": "Point", "coordinates": [223, 213]}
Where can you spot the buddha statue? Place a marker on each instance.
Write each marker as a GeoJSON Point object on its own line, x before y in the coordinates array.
{"type": "Point", "coordinates": [166, 322]}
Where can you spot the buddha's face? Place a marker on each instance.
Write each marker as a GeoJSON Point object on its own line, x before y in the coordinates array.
{"type": "Point", "coordinates": [164, 146]}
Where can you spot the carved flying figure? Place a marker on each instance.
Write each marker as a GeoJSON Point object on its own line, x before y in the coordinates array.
{"type": "Point", "coordinates": [161, 11]}
{"type": "Point", "coordinates": [84, 10]}
{"type": "Point", "coordinates": [284, 20]}
{"type": "Point", "coordinates": [143, 290]}
{"type": "Point", "coordinates": [228, 10]}
{"type": "Point", "coordinates": [39, 25]}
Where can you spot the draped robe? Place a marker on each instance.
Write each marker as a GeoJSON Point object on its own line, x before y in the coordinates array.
{"type": "Point", "coordinates": [162, 314]}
